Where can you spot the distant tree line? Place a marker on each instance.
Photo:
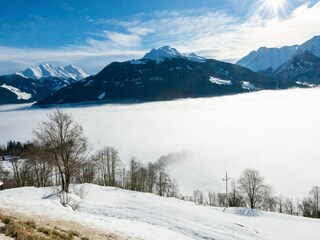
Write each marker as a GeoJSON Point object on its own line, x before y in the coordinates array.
{"type": "Point", "coordinates": [12, 148]}
{"type": "Point", "coordinates": [251, 191]}
{"type": "Point", "coordinates": [59, 156]}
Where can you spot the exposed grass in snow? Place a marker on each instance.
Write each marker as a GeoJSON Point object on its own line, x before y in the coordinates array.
{"type": "Point", "coordinates": [28, 230]}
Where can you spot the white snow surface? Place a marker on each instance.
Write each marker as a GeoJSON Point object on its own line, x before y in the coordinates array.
{"type": "Point", "coordinates": [147, 216]}
{"type": "Point", "coordinates": [162, 53]}
{"type": "Point", "coordinates": [276, 132]}
{"type": "Point", "coordinates": [220, 81]}
{"type": "Point", "coordinates": [20, 95]}
{"type": "Point", "coordinates": [47, 70]}
{"type": "Point", "coordinates": [248, 86]}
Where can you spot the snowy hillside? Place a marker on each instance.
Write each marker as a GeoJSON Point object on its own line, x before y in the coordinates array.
{"type": "Point", "coordinates": [146, 216]}
{"type": "Point", "coordinates": [47, 70]}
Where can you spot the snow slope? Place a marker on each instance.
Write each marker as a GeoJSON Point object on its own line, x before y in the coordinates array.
{"type": "Point", "coordinates": [220, 81]}
{"type": "Point", "coordinates": [146, 216]}
{"type": "Point", "coordinates": [18, 92]}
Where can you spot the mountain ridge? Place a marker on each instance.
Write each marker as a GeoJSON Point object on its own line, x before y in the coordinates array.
{"type": "Point", "coordinates": [163, 74]}
{"type": "Point", "coordinates": [272, 58]}
{"type": "Point", "coordinates": [36, 83]}
{"type": "Point", "coordinates": [47, 70]}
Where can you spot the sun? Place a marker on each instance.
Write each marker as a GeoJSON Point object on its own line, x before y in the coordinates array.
{"type": "Point", "coordinates": [274, 7]}
{"type": "Point", "coordinates": [275, 4]}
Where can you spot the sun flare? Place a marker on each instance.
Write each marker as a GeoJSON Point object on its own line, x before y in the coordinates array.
{"type": "Point", "coordinates": [275, 7]}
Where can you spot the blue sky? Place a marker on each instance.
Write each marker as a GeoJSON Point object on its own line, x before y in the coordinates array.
{"type": "Point", "coordinates": [94, 33]}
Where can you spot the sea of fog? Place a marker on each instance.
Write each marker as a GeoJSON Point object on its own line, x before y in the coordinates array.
{"type": "Point", "coordinates": [276, 132]}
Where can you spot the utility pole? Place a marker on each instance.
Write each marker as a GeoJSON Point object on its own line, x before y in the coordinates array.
{"type": "Point", "coordinates": [226, 180]}
{"type": "Point", "coordinates": [317, 201]}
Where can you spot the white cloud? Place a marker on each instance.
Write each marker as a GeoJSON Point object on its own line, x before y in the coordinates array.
{"type": "Point", "coordinates": [92, 59]}
{"type": "Point", "coordinates": [219, 35]}
{"type": "Point", "coordinates": [211, 34]}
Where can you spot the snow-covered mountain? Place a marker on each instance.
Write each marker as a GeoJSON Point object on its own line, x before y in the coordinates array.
{"type": "Point", "coordinates": [312, 46]}
{"type": "Point", "coordinates": [272, 58]}
{"type": "Point", "coordinates": [265, 58]}
{"type": "Point", "coordinates": [303, 68]}
{"type": "Point", "coordinates": [168, 52]}
{"type": "Point", "coordinates": [47, 70]}
{"type": "Point", "coordinates": [36, 83]}
{"type": "Point", "coordinates": [163, 74]}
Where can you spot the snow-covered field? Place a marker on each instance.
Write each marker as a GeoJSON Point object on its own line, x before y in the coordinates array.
{"type": "Point", "coordinates": [147, 216]}
{"type": "Point", "coordinates": [276, 132]}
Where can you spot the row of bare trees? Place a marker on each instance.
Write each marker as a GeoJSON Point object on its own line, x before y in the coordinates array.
{"type": "Point", "coordinates": [251, 191]}
{"type": "Point", "coordinates": [106, 168]}
{"type": "Point", "coordinates": [59, 156]}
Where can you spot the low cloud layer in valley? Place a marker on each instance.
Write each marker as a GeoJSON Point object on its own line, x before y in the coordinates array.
{"type": "Point", "coordinates": [276, 132]}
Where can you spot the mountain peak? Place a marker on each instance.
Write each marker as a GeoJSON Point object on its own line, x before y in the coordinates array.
{"type": "Point", "coordinates": [47, 70]}
{"type": "Point", "coordinates": [159, 54]}
{"type": "Point", "coordinates": [163, 52]}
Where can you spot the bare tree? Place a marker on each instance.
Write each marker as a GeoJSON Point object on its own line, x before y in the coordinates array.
{"type": "Point", "coordinates": [315, 194]}
{"type": "Point", "coordinates": [251, 185]}
{"type": "Point", "coordinates": [269, 201]}
{"type": "Point", "coordinates": [63, 138]}
{"type": "Point", "coordinates": [212, 199]}
{"type": "Point", "coordinates": [39, 163]}
{"type": "Point", "coordinates": [108, 161]}
{"type": "Point", "coordinates": [198, 197]}
{"type": "Point", "coordinates": [4, 177]}
{"type": "Point", "coordinates": [235, 199]}
{"type": "Point", "coordinates": [306, 207]}
{"type": "Point", "coordinates": [16, 164]}
{"type": "Point", "coordinates": [221, 198]}
{"type": "Point", "coordinates": [288, 206]}
{"type": "Point", "coordinates": [134, 167]}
